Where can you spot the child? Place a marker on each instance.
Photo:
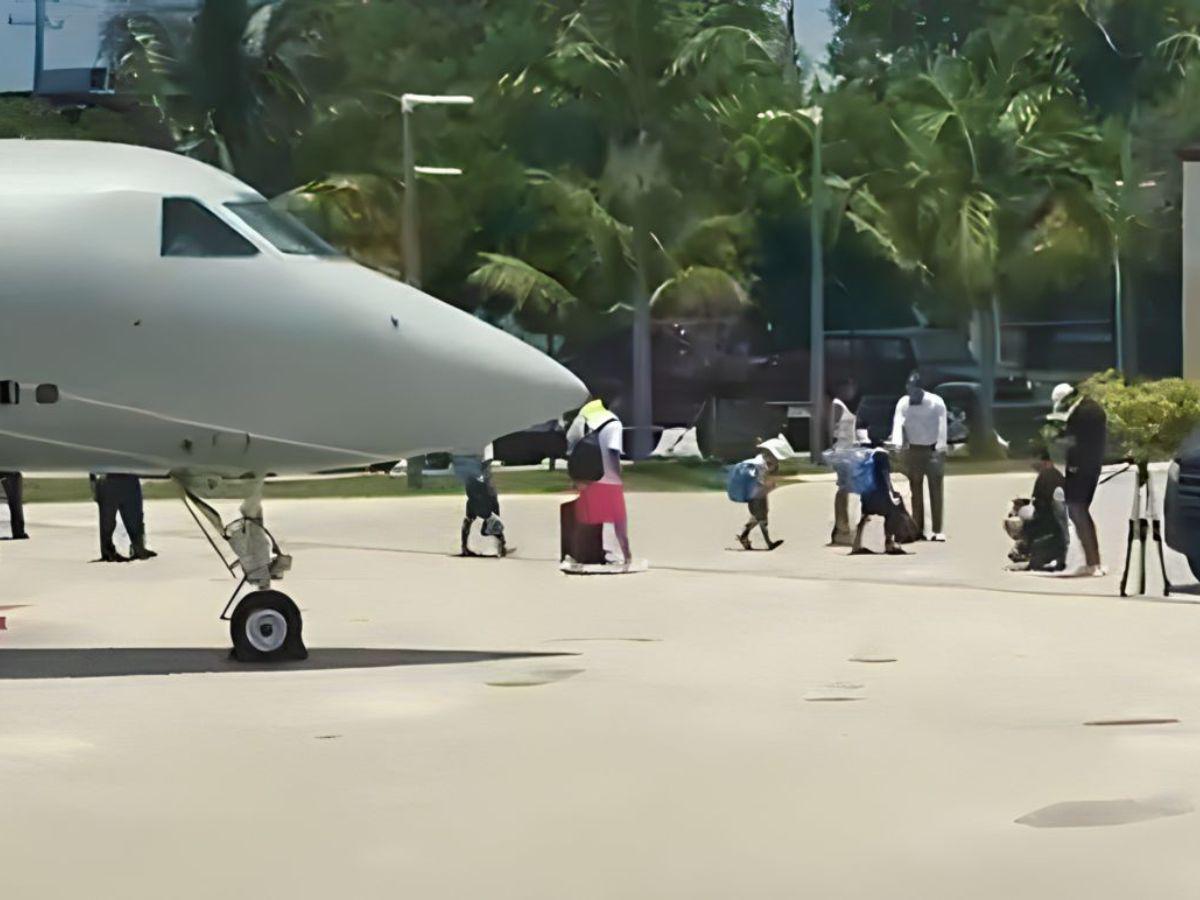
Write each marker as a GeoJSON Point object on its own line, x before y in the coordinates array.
{"type": "Point", "coordinates": [883, 500]}
{"type": "Point", "coordinates": [750, 482]}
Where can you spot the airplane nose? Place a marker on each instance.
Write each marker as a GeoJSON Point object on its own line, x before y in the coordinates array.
{"type": "Point", "coordinates": [501, 383]}
{"type": "Point", "coordinates": [428, 377]}
{"type": "Point", "coordinates": [452, 381]}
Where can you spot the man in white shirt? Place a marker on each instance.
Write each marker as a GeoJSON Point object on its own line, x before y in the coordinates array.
{"type": "Point", "coordinates": [919, 428]}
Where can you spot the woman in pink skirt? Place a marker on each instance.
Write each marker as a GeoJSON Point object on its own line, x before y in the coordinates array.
{"type": "Point", "coordinates": [603, 502]}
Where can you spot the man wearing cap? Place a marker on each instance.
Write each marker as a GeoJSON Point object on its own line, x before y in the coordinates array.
{"type": "Point", "coordinates": [1086, 432]}
{"type": "Point", "coordinates": [920, 427]}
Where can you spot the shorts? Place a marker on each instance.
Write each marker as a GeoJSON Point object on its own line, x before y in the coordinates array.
{"type": "Point", "coordinates": [877, 503]}
{"type": "Point", "coordinates": [1081, 485]}
{"type": "Point", "coordinates": [759, 509]}
{"type": "Point", "coordinates": [601, 504]}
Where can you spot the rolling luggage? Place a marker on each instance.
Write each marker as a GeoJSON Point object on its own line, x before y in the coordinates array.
{"type": "Point", "coordinates": [583, 543]}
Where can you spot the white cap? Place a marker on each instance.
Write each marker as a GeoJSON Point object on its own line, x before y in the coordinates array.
{"type": "Point", "coordinates": [778, 447]}
{"type": "Point", "coordinates": [1061, 393]}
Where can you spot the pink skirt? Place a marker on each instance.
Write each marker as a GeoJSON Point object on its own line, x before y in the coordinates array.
{"type": "Point", "coordinates": [601, 503]}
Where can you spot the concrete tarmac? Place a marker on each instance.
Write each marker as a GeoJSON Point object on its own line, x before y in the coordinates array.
{"type": "Point", "coordinates": [726, 725]}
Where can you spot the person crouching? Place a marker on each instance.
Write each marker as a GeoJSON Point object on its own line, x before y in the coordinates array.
{"type": "Point", "coordinates": [1038, 527]}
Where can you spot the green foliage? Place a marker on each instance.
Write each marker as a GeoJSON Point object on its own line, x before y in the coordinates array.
{"type": "Point", "coordinates": [1149, 419]}
{"type": "Point", "coordinates": [623, 149]}
{"type": "Point", "coordinates": [26, 117]}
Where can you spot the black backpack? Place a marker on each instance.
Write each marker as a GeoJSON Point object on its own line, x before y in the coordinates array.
{"type": "Point", "coordinates": [585, 462]}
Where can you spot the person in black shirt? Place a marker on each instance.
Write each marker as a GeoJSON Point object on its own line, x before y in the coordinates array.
{"type": "Point", "coordinates": [1041, 526]}
{"type": "Point", "coordinates": [1087, 435]}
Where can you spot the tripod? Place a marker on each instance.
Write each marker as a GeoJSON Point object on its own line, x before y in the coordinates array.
{"type": "Point", "coordinates": [1140, 527]}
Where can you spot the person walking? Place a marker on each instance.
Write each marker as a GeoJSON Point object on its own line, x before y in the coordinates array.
{"type": "Point", "coordinates": [753, 479]}
{"type": "Point", "coordinates": [919, 428]}
{"type": "Point", "coordinates": [115, 495]}
{"type": "Point", "coordinates": [1086, 433]}
{"type": "Point", "coordinates": [14, 491]}
{"type": "Point", "coordinates": [602, 502]}
{"type": "Point", "coordinates": [483, 502]}
{"type": "Point", "coordinates": [843, 435]}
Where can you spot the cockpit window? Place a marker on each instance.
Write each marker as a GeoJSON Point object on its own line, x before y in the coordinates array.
{"type": "Point", "coordinates": [287, 233]}
{"type": "Point", "coordinates": [189, 229]}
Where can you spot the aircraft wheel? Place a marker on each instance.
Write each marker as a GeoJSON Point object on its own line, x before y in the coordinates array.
{"type": "Point", "coordinates": [266, 627]}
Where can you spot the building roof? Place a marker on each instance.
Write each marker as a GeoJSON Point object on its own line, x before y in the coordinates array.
{"type": "Point", "coordinates": [65, 167]}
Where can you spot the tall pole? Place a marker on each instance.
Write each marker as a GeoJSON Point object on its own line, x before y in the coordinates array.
{"type": "Point", "coordinates": [1118, 308]}
{"type": "Point", "coordinates": [816, 422]}
{"type": "Point", "coordinates": [411, 249]}
{"type": "Point", "coordinates": [410, 236]}
{"type": "Point", "coordinates": [39, 43]}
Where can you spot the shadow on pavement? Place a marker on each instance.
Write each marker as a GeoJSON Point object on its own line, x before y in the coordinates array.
{"type": "Point", "coordinates": [120, 661]}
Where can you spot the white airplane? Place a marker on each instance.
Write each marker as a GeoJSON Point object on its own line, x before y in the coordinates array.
{"type": "Point", "coordinates": [159, 318]}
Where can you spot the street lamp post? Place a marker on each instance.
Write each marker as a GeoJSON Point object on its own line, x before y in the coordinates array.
{"type": "Point", "coordinates": [410, 226]}
{"type": "Point", "coordinates": [816, 378]}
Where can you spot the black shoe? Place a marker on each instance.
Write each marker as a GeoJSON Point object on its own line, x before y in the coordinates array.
{"type": "Point", "coordinates": [774, 545]}
{"type": "Point", "coordinates": [113, 556]}
{"type": "Point", "coordinates": [23, 536]}
{"type": "Point", "coordinates": [744, 540]}
{"type": "Point", "coordinates": [141, 553]}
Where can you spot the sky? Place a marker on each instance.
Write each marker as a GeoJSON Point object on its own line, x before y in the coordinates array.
{"type": "Point", "coordinates": [813, 29]}
{"type": "Point", "coordinates": [76, 43]}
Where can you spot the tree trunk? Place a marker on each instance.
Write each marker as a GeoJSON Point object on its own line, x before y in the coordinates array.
{"type": "Point", "coordinates": [1126, 297]}
{"type": "Point", "coordinates": [983, 430]}
{"type": "Point", "coordinates": [642, 413]}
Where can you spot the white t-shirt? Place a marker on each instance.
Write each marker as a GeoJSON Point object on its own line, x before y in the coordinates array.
{"type": "Point", "coordinates": [612, 441]}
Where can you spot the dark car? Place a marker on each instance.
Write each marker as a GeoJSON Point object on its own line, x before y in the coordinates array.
{"type": "Point", "coordinates": [1181, 507]}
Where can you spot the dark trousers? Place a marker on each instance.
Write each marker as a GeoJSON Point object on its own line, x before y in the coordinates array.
{"type": "Point", "coordinates": [120, 494]}
{"type": "Point", "coordinates": [921, 463]}
{"type": "Point", "coordinates": [14, 486]}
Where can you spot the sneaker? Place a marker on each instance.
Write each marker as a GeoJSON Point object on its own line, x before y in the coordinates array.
{"type": "Point", "coordinates": [938, 538]}
{"type": "Point", "coordinates": [1084, 572]}
{"type": "Point", "coordinates": [745, 542]}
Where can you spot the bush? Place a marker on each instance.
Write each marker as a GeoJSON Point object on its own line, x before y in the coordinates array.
{"type": "Point", "coordinates": [1149, 419]}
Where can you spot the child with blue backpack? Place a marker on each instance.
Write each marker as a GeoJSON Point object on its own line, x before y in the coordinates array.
{"type": "Point", "coordinates": [750, 482]}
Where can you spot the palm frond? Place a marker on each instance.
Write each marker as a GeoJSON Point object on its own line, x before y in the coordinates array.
{"type": "Point", "coordinates": [527, 287]}
{"type": "Point", "coordinates": [699, 291]}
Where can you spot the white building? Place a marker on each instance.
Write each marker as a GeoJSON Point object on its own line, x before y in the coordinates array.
{"type": "Point", "coordinates": [75, 57]}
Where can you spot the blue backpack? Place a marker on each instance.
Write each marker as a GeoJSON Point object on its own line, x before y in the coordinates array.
{"type": "Point", "coordinates": [743, 485]}
{"type": "Point", "coordinates": [861, 473]}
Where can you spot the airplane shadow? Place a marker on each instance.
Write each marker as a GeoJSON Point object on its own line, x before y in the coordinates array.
{"type": "Point", "coordinates": [114, 662]}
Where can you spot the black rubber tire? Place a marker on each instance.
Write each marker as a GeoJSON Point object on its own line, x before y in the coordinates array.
{"type": "Point", "coordinates": [1194, 565]}
{"type": "Point", "coordinates": [268, 611]}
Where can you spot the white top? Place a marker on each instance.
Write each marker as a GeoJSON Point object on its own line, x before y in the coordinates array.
{"type": "Point", "coordinates": [612, 440]}
{"type": "Point", "coordinates": [844, 429]}
{"type": "Point", "coordinates": [921, 424]}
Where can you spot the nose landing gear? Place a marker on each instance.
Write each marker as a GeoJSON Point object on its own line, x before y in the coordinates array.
{"type": "Point", "coordinates": [265, 625]}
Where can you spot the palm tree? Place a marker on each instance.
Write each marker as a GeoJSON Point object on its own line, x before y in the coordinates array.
{"type": "Point", "coordinates": [997, 165]}
{"type": "Point", "coordinates": [227, 87]}
{"type": "Point", "coordinates": [650, 72]}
